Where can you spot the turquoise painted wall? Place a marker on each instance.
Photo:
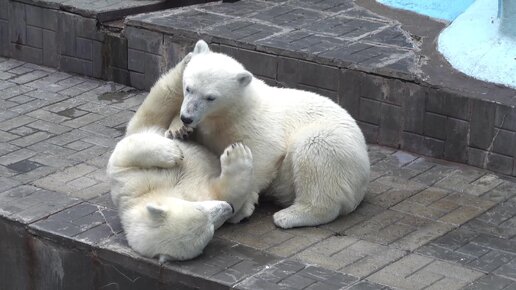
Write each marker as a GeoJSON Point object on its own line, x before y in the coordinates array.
{"type": "Point", "coordinates": [441, 9]}
{"type": "Point", "coordinates": [507, 13]}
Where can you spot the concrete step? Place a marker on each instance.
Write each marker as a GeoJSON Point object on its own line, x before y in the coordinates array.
{"type": "Point", "coordinates": [376, 63]}
{"type": "Point", "coordinates": [441, 224]}
{"type": "Point", "coordinates": [379, 64]}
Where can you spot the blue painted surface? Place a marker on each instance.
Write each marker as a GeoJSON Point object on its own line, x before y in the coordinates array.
{"type": "Point", "coordinates": [442, 9]}
{"type": "Point", "coordinates": [507, 12]}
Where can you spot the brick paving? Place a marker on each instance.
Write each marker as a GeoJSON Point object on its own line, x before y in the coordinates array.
{"type": "Point", "coordinates": [425, 223]}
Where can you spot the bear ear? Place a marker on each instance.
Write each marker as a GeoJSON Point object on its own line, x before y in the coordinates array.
{"type": "Point", "coordinates": [156, 212]}
{"type": "Point", "coordinates": [201, 47]}
{"type": "Point", "coordinates": [244, 78]}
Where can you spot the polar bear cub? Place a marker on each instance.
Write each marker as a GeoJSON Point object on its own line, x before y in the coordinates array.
{"type": "Point", "coordinates": [309, 153]}
{"type": "Point", "coordinates": [172, 195]}
{"type": "Point", "coordinates": [161, 108]}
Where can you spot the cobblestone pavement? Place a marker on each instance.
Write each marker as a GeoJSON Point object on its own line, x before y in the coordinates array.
{"type": "Point", "coordinates": [424, 223]}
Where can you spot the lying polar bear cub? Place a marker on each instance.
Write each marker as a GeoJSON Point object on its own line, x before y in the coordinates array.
{"type": "Point", "coordinates": [309, 153]}
{"type": "Point", "coordinates": [172, 194]}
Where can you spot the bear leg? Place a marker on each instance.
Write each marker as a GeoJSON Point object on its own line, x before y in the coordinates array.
{"type": "Point", "coordinates": [233, 184]}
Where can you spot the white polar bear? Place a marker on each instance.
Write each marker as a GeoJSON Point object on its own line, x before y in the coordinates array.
{"type": "Point", "coordinates": [171, 194]}
{"type": "Point", "coordinates": [309, 153]}
{"type": "Point", "coordinates": [161, 108]}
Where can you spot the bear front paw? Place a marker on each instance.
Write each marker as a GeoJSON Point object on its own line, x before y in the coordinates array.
{"type": "Point", "coordinates": [237, 160]}
{"type": "Point", "coordinates": [181, 134]}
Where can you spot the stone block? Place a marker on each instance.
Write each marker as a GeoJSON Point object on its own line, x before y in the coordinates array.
{"type": "Point", "coordinates": [370, 132]}
{"type": "Point", "coordinates": [293, 72]}
{"type": "Point", "coordinates": [448, 104]}
{"type": "Point", "coordinates": [344, 26]}
{"type": "Point", "coordinates": [238, 8]}
{"type": "Point", "coordinates": [136, 60]}
{"type": "Point", "coordinates": [422, 145]}
{"type": "Point", "coordinates": [370, 111]}
{"type": "Point", "coordinates": [27, 53]}
{"type": "Point", "coordinates": [286, 15]}
{"type": "Point", "coordinates": [50, 19]}
{"type": "Point", "coordinates": [505, 117]}
{"type": "Point", "coordinates": [482, 124]}
{"type": "Point", "coordinates": [390, 125]}
{"type": "Point", "coordinates": [34, 15]}
{"type": "Point", "coordinates": [435, 126]}
{"type": "Point", "coordinates": [350, 91]}
{"type": "Point", "coordinates": [4, 9]}
{"type": "Point", "coordinates": [477, 157]}
{"type": "Point", "coordinates": [143, 40]}
{"type": "Point", "coordinates": [4, 38]}
{"type": "Point", "coordinates": [456, 146]}
{"type": "Point", "coordinates": [66, 35]}
{"type": "Point", "coordinates": [500, 163]}
{"type": "Point", "coordinates": [84, 49]}
{"type": "Point", "coordinates": [17, 23]}
{"type": "Point", "coordinates": [176, 48]}
{"type": "Point", "coordinates": [413, 105]}
{"type": "Point", "coordinates": [258, 63]}
{"type": "Point", "coordinates": [504, 142]}
{"type": "Point", "coordinates": [243, 31]}
{"type": "Point", "coordinates": [87, 28]}
{"type": "Point", "coordinates": [301, 44]}
{"type": "Point", "coordinates": [34, 37]}
{"type": "Point", "coordinates": [75, 65]}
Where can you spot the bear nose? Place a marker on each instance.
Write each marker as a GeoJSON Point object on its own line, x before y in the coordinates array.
{"type": "Point", "coordinates": [186, 120]}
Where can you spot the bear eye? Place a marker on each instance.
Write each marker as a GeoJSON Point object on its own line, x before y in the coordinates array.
{"type": "Point", "coordinates": [188, 90]}
{"type": "Point", "coordinates": [210, 98]}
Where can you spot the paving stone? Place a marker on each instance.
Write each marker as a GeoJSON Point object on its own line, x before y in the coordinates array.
{"type": "Point", "coordinates": [373, 258]}
{"type": "Point", "coordinates": [24, 166]}
{"type": "Point", "coordinates": [344, 27]}
{"type": "Point", "coordinates": [502, 192]}
{"type": "Point", "coordinates": [15, 122]}
{"type": "Point", "coordinates": [417, 272]}
{"type": "Point", "coordinates": [397, 193]}
{"type": "Point", "coordinates": [16, 156]}
{"type": "Point", "coordinates": [245, 31]}
{"type": "Point", "coordinates": [491, 282]}
{"type": "Point", "coordinates": [299, 242]}
{"type": "Point", "coordinates": [403, 235]}
{"type": "Point", "coordinates": [507, 270]}
{"type": "Point", "coordinates": [38, 205]}
{"type": "Point", "coordinates": [31, 139]}
{"type": "Point", "coordinates": [491, 261]}
{"type": "Point", "coordinates": [28, 77]}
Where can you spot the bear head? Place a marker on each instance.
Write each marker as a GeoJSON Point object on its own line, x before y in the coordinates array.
{"type": "Point", "coordinates": [173, 229]}
{"type": "Point", "coordinates": [211, 82]}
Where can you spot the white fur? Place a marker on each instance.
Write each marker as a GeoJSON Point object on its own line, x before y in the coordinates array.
{"type": "Point", "coordinates": [172, 194]}
{"type": "Point", "coordinates": [166, 189]}
{"type": "Point", "coordinates": [308, 152]}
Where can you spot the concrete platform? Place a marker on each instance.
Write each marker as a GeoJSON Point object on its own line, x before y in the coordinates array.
{"type": "Point", "coordinates": [73, 35]}
{"type": "Point", "coordinates": [378, 63]}
{"type": "Point", "coordinates": [425, 223]}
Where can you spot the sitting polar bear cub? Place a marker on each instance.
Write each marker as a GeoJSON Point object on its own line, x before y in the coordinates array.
{"type": "Point", "coordinates": [309, 153]}
{"type": "Point", "coordinates": [172, 194]}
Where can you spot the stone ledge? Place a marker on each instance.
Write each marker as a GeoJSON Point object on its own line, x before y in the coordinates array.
{"type": "Point", "coordinates": [392, 98]}
{"type": "Point", "coordinates": [100, 256]}
{"type": "Point", "coordinates": [108, 10]}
